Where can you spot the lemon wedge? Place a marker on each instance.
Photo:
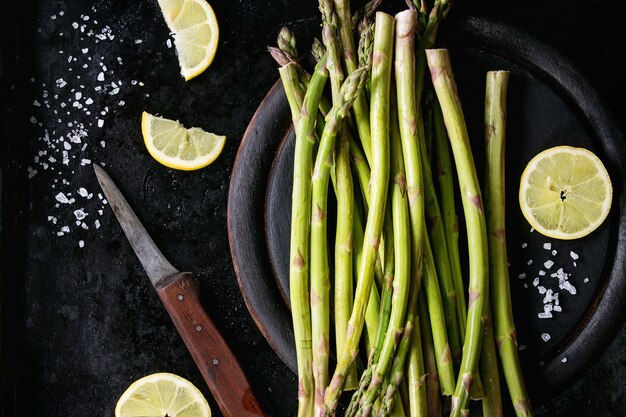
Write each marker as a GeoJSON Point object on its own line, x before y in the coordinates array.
{"type": "Point", "coordinates": [162, 394]}
{"type": "Point", "coordinates": [565, 192]}
{"type": "Point", "coordinates": [178, 147]}
{"type": "Point", "coordinates": [196, 32]}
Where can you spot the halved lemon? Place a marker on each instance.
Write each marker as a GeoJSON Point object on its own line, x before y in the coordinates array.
{"type": "Point", "coordinates": [162, 394]}
{"type": "Point", "coordinates": [178, 147]}
{"type": "Point", "coordinates": [565, 192]}
{"type": "Point", "coordinates": [196, 32]}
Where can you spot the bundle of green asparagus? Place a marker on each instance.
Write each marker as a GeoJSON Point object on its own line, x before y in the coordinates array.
{"type": "Point", "coordinates": [411, 335]}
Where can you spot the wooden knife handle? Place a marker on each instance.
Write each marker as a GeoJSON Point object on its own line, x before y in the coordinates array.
{"type": "Point", "coordinates": [217, 363]}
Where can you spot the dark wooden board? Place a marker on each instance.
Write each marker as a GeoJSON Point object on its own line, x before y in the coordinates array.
{"type": "Point", "coordinates": [549, 103]}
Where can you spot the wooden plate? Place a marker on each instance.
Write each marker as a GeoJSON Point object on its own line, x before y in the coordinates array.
{"type": "Point", "coordinates": [549, 103]}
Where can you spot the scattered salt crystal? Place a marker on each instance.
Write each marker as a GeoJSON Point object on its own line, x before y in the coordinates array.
{"type": "Point", "coordinates": [575, 264]}
{"type": "Point", "coordinates": [554, 252]}
{"type": "Point", "coordinates": [557, 308]}
{"type": "Point", "coordinates": [541, 289]}
{"type": "Point", "coordinates": [586, 280]}
{"type": "Point", "coordinates": [542, 272]}
{"type": "Point", "coordinates": [567, 286]}
{"type": "Point", "coordinates": [85, 50]}
{"type": "Point", "coordinates": [138, 41]}
{"type": "Point", "coordinates": [547, 308]}
{"type": "Point", "coordinates": [574, 255]}
{"type": "Point", "coordinates": [100, 123]}
{"type": "Point", "coordinates": [81, 244]}
{"type": "Point", "coordinates": [100, 76]}
{"type": "Point", "coordinates": [96, 224]}
{"type": "Point", "coordinates": [60, 233]}
{"type": "Point", "coordinates": [564, 360]}
{"type": "Point", "coordinates": [530, 262]}
{"type": "Point", "coordinates": [85, 161]}
{"type": "Point", "coordinates": [36, 103]}
{"type": "Point", "coordinates": [61, 198]}
{"type": "Point", "coordinates": [536, 281]}
{"type": "Point", "coordinates": [532, 229]}
{"type": "Point", "coordinates": [522, 276]}
{"type": "Point", "coordinates": [82, 192]}
{"type": "Point", "coordinates": [168, 43]}
{"type": "Point", "coordinates": [522, 347]}
{"type": "Point", "coordinates": [65, 229]}
{"type": "Point", "coordinates": [548, 264]}
{"type": "Point", "coordinates": [545, 315]}
{"type": "Point", "coordinates": [80, 214]}
{"type": "Point", "coordinates": [547, 246]}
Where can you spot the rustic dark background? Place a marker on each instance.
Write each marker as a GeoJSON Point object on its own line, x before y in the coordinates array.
{"type": "Point", "coordinates": [80, 322]}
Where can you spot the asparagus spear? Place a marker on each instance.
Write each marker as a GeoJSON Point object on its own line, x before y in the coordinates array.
{"type": "Point", "coordinates": [401, 280]}
{"type": "Point", "coordinates": [495, 126]}
{"type": "Point", "coordinates": [360, 108]}
{"type": "Point", "coordinates": [443, 173]}
{"type": "Point", "coordinates": [430, 361]}
{"type": "Point", "coordinates": [320, 285]}
{"type": "Point", "coordinates": [445, 87]}
{"type": "Point", "coordinates": [343, 288]}
{"type": "Point", "coordinates": [381, 75]}
{"type": "Point", "coordinates": [299, 250]}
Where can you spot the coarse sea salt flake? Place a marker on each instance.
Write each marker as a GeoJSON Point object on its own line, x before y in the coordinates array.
{"type": "Point", "coordinates": [97, 224]}
{"type": "Point", "coordinates": [564, 360]}
{"type": "Point", "coordinates": [542, 272]}
{"type": "Point", "coordinates": [81, 244]}
{"type": "Point", "coordinates": [586, 280]}
{"type": "Point", "coordinates": [522, 276]}
{"type": "Point", "coordinates": [574, 255]}
{"type": "Point", "coordinates": [82, 192]}
{"type": "Point", "coordinates": [545, 337]}
{"type": "Point", "coordinates": [548, 264]}
{"type": "Point", "coordinates": [61, 198]}
{"type": "Point", "coordinates": [65, 229]}
{"type": "Point", "coordinates": [547, 246]}
{"type": "Point", "coordinates": [100, 122]}
{"type": "Point", "coordinates": [545, 315]}
{"type": "Point", "coordinates": [530, 262]}
{"type": "Point", "coordinates": [536, 281]}
{"type": "Point", "coordinates": [541, 289]}
{"type": "Point", "coordinates": [100, 76]}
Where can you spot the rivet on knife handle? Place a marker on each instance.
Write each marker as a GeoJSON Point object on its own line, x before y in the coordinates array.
{"type": "Point", "coordinates": [217, 363]}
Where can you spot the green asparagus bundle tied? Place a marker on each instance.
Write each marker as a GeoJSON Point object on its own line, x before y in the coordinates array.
{"type": "Point", "coordinates": [414, 334]}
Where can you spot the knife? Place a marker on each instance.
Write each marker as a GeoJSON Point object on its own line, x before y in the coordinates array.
{"type": "Point", "coordinates": [180, 296]}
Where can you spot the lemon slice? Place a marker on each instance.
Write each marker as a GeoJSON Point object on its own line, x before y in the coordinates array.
{"type": "Point", "coordinates": [565, 192]}
{"type": "Point", "coordinates": [194, 27]}
{"type": "Point", "coordinates": [162, 394]}
{"type": "Point", "coordinates": [178, 147]}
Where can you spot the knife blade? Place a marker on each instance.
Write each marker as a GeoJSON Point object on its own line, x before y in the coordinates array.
{"type": "Point", "coordinates": [179, 293]}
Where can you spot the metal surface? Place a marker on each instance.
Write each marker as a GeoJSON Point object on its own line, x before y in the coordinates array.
{"type": "Point", "coordinates": [67, 345]}
{"type": "Point", "coordinates": [154, 263]}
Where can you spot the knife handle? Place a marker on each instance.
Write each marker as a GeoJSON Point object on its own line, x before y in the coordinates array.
{"type": "Point", "coordinates": [217, 363]}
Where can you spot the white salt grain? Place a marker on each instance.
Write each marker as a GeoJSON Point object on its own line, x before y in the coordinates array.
{"type": "Point", "coordinates": [564, 360]}
{"type": "Point", "coordinates": [586, 280]}
{"type": "Point", "coordinates": [542, 272]}
{"type": "Point", "coordinates": [547, 246]}
{"type": "Point", "coordinates": [574, 255]}
{"type": "Point", "coordinates": [61, 198]}
{"type": "Point", "coordinates": [548, 264]}
{"type": "Point", "coordinates": [81, 244]}
{"type": "Point", "coordinates": [530, 262]}
{"type": "Point", "coordinates": [545, 315]}
{"type": "Point", "coordinates": [522, 276]}
{"type": "Point", "coordinates": [554, 252]}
